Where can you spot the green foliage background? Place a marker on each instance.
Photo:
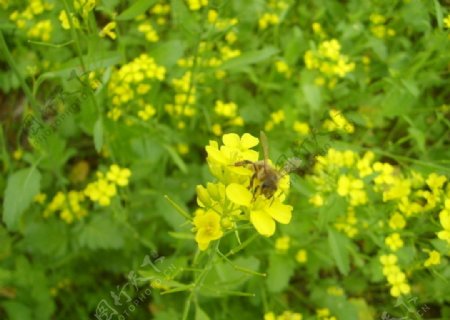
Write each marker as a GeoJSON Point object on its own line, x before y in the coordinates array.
{"type": "Point", "coordinates": [398, 103]}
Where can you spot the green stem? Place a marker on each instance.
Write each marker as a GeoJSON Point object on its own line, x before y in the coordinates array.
{"type": "Point", "coordinates": [74, 35]}
{"type": "Point", "coordinates": [4, 49]}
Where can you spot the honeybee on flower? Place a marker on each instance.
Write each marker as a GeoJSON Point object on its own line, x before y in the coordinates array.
{"type": "Point", "coordinates": [247, 189]}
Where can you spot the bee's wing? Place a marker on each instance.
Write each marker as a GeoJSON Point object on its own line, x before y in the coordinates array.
{"type": "Point", "coordinates": [265, 147]}
{"type": "Point", "coordinates": [291, 165]}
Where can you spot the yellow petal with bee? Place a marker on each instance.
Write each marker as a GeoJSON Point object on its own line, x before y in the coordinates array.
{"type": "Point", "coordinates": [262, 222]}
{"type": "Point", "coordinates": [239, 194]}
{"type": "Point", "coordinates": [280, 212]}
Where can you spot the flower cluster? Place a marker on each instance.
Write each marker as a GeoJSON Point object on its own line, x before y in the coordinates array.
{"type": "Point", "coordinates": [338, 122]}
{"type": "Point", "coordinates": [130, 85]}
{"type": "Point", "coordinates": [227, 112]}
{"type": "Point", "coordinates": [237, 195]}
{"type": "Point", "coordinates": [220, 24]}
{"type": "Point", "coordinates": [104, 188]}
{"type": "Point", "coordinates": [395, 277]}
{"type": "Point", "coordinates": [149, 24]}
{"type": "Point", "coordinates": [444, 219]}
{"type": "Point", "coordinates": [329, 61]}
{"type": "Point", "coordinates": [161, 11]}
{"type": "Point", "coordinates": [28, 20]}
{"type": "Point", "coordinates": [276, 118]}
{"type": "Point", "coordinates": [184, 100]}
{"type": "Point", "coordinates": [195, 5]}
{"type": "Point", "coordinates": [70, 205]}
{"type": "Point", "coordinates": [272, 16]}
{"type": "Point", "coordinates": [286, 315]}
{"type": "Point", "coordinates": [378, 26]}
{"type": "Point", "coordinates": [409, 196]}
{"type": "Point", "coordinates": [324, 314]}
{"type": "Point", "coordinates": [82, 9]}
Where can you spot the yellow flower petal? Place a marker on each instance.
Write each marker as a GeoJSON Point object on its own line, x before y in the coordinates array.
{"type": "Point", "coordinates": [239, 194]}
{"type": "Point", "coordinates": [231, 140]}
{"type": "Point", "coordinates": [280, 212]}
{"type": "Point", "coordinates": [248, 141]}
{"type": "Point", "coordinates": [262, 222]}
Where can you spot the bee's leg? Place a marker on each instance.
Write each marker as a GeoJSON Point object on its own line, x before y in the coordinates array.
{"type": "Point", "coordinates": [255, 191]}
{"type": "Point", "coordinates": [252, 179]}
{"type": "Point", "coordinates": [273, 199]}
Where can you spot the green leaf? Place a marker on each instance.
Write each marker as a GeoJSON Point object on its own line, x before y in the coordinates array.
{"type": "Point", "coordinates": [338, 246]}
{"type": "Point", "coordinates": [439, 14]}
{"type": "Point", "coordinates": [183, 18]}
{"type": "Point", "coordinates": [280, 271]}
{"type": "Point", "coordinates": [137, 8]}
{"type": "Point", "coordinates": [101, 233]}
{"type": "Point", "coordinates": [200, 314]}
{"type": "Point", "coordinates": [250, 57]}
{"type": "Point", "coordinates": [48, 237]}
{"type": "Point", "coordinates": [176, 158]}
{"type": "Point", "coordinates": [98, 135]}
{"type": "Point", "coordinates": [16, 310]}
{"type": "Point", "coordinates": [312, 96]}
{"type": "Point", "coordinates": [168, 53]}
{"type": "Point", "coordinates": [21, 187]}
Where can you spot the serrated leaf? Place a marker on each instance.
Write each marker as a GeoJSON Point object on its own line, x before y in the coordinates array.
{"type": "Point", "coordinates": [137, 8]}
{"type": "Point", "coordinates": [21, 187]}
{"type": "Point", "coordinates": [101, 233]}
{"type": "Point", "coordinates": [250, 57]}
{"type": "Point", "coordinates": [338, 246]}
{"type": "Point", "coordinates": [98, 135]}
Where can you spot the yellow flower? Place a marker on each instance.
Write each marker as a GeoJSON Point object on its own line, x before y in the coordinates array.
{"type": "Point", "coordinates": [268, 19]}
{"type": "Point", "coordinates": [353, 188]}
{"type": "Point", "coordinates": [227, 110]}
{"type": "Point", "coordinates": [17, 154]}
{"type": "Point", "coordinates": [282, 244]}
{"type": "Point", "coordinates": [335, 291]}
{"type": "Point", "coordinates": [65, 20]}
{"type": "Point", "coordinates": [208, 228]}
{"type": "Point", "coordinates": [148, 112]}
{"type": "Point", "coordinates": [302, 128]}
{"type": "Point", "coordinates": [434, 258]}
{"type": "Point", "coordinates": [301, 256]}
{"type": "Point", "coordinates": [397, 221]}
{"type": "Point", "coordinates": [289, 315]}
{"type": "Point", "coordinates": [263, 212]}
{"type": "Point", "coordinates": [212, 16]}
{"type": "Point", "coordinates": [435, 182]}
{"type": "Point", "coordinates": [269, 316]}
{"type": "Point", "coordinates": [447, 21]}
{"type": "Point", "coordinates": [316, 200]}
{"type": "Point", "coordinates": [40, 198]}
{"type": "Point", "coordinates": [101, 191]}
{"type": "Point", "coordinates": [394, 241]}
{"type": "Point", "coordinates": [183, 148]}
{"type": "Point", "coordinates": [118, 175]}
{"type": "Point", "coordinates": [195, 5]}
{"type": "Point", "coordinates": [108, 30]}
{"type": "Point", "coordinates": [149, 31]}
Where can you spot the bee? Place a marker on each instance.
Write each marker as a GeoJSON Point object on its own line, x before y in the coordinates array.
{"type": "Point", "coordinates": [267, 176]}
